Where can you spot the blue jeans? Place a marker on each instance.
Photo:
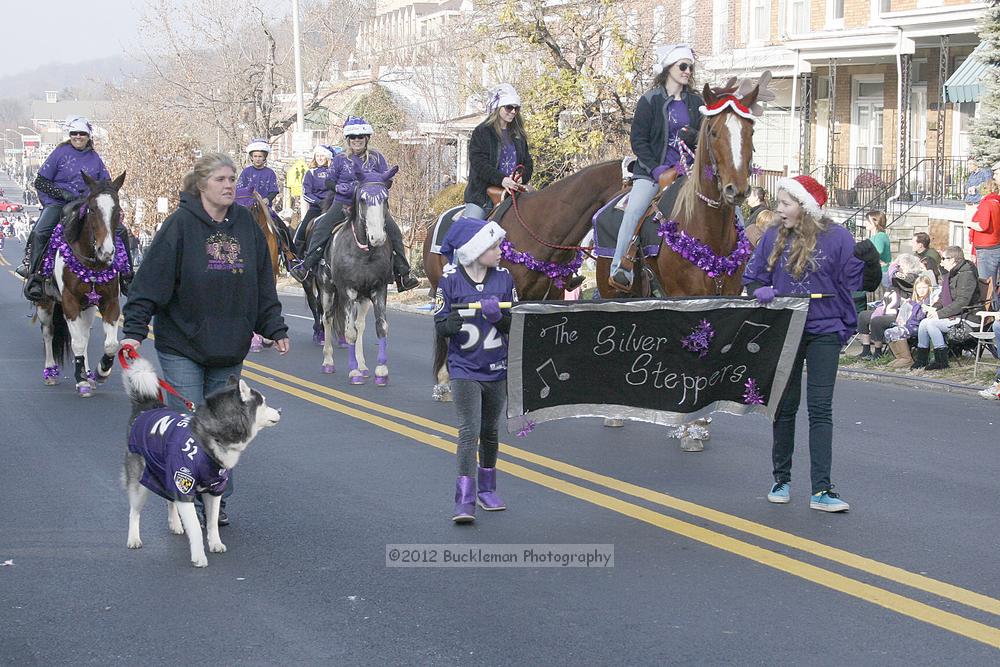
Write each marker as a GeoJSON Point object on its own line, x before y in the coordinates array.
{"type": "Point", "coordinates": [821, 353]}
{"type": "Point", "coordinates": [987, 262]}
{"type": "Point", "coordinates": [931, 332]}
{"type": "Point", "coordinates": [475, 211]}
{"type": "Point", "coordinates": [194, 381]}
{"type": "Point", "coordinates": [639, 198]}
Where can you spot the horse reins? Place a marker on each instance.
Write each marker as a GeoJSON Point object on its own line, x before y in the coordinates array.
{"type": "Point", "coordinates": [517, 214]}
{"type": "Point", "coordinates": [128, 352]}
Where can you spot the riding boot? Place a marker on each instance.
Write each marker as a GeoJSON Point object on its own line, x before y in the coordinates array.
{"type": "Point", "coordinates": [465, 500]}
{"type": "Point", "coordinates": [34, 288]}
{"type": "Point", "coordinates": [300, 270]}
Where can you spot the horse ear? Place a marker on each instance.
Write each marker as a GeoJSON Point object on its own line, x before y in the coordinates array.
{"type": "Point", "coordinates": [751, 98]}
{"type": "Point", "coordinates": [118, 182]}
{"type": "Point", "coordinates": [88, 180]}
{"type": "Point", "coordinates": [708, 95]}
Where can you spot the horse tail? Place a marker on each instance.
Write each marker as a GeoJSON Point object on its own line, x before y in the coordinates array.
{"type": "Point", "coordinates": [61, 339]}
{"type": "Point", "coordinates": [440, 354]}
{"type": "Point", "coordinates": [341, 304]}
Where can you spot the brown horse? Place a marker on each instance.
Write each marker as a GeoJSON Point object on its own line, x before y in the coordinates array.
{"type": "Point", "coordinates": [557, 215]}
{"type": "Point", "coordinates": [85, 258]}
{"type": "Point", "coordinates": [706, 207]}
{"type": "Point", "coordinates": [262, 215]}
{"type": "Point", "coordinates": [705, 210]}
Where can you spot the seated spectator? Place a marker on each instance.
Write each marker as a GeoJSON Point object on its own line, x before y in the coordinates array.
{"type": "Point", "coordinates": [898, 283]}
{"type": "Point", "coordinates": [908, 318]}
{"type": "Point", "coordinates": [959, 291]}
{"type": "Point", "coordinates": [875, 224]}
{"type": "Point", "coordinates": [762, 221]}
{"type": "Point", "coordinates": [921, 243]}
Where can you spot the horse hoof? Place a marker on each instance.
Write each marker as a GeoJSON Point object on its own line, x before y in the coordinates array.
{"type": "Point", "coordinates": [357, 379]}
{"type": "Point", "coordinates": [342, 342]}
{"type": "Point", "coordinates": [328, 368]}
{"type": "Point", "coordinates": [50, 382]}
{"type": "Point", "coordinates": [318, 337]}
{"type": "Point", "coordinates": [366, 373]}
{"type": "Point", "coordinates": [614, 422]}
{"type": "Point", "coordinates": [381, 380]}
{"type": "Point", "coordinates": [101, 379]}
{"type": "Point", "coordinates": [85, 390]}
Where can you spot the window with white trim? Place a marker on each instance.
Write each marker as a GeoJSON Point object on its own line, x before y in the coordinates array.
{"type": "Point", "coordinates": [835, 13]}
{"type": "Point", "coordinates": [760, 20]}
{"type": "Point", "coordinates": [798, 17]}
{"type": "Point", "coordinates": [688, 18]}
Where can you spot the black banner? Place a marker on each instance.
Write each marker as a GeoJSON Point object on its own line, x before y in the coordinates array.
{"type": "Point", "coordinates": [666, 361]}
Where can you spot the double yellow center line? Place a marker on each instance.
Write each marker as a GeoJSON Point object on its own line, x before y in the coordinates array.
{"type": "Point", "coordinates": [404, 423]}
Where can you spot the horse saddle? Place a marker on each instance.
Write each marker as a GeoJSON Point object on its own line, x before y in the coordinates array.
{"type": "Point", "coordinates": [608, 220]}
{"type": "Point", "coordinates": [443, 223]}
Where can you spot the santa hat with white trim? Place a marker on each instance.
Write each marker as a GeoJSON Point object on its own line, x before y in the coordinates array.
{"type": "Point", "coordinates": [323, 151]}
{"type": "Point", "coordinates": [356, 126]}
{"type": "Point", "coordinates": [807, 191]}
{"type": "Point", "coordinates": [469, 238]}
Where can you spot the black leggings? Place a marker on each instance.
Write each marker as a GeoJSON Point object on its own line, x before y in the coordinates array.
{"type": "Point", "coordinates": [300, 232]}
{"type": "Point", "coordinates": [479, 405]}
{"type": "Point", "coordinates": [875, 325]}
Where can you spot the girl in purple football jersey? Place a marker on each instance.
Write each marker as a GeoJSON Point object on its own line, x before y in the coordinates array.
{"type": "Point", "coordinates": [477, 354]}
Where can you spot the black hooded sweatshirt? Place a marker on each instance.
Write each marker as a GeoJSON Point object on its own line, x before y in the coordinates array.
{"type": "Point", "coordinates": [206, 286]}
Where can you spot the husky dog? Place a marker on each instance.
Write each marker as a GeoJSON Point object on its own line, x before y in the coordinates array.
{"type": "Point", "coordinates": [177, 455]}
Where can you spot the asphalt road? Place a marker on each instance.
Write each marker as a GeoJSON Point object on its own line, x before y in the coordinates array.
{"type": "Point", "coordinates": [705, 570]}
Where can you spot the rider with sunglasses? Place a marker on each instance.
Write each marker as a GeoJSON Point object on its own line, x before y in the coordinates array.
{"type": "Point", "coordinates": [60, 182]}
{"type": "Point", "coordinates": [666, 119]}
{"type": "Point", "coordinates": [497, 146]}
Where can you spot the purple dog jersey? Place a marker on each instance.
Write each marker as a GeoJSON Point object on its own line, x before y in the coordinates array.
{"type": "Point", "coordinates": [177, 466]}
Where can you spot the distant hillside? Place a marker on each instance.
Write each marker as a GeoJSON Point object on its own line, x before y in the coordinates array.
{"type": "Point", "coordinates": [88, 78]}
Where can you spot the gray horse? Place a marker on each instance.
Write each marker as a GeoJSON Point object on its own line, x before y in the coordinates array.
{"type": "Point", "coordinates": [357, 272]}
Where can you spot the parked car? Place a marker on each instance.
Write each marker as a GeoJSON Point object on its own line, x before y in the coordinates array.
{"type": "Point", "coordinates": [10, 206]}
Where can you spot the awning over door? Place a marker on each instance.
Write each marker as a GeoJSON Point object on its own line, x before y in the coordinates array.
{"type": "Point", "coordinates": [963, 84]}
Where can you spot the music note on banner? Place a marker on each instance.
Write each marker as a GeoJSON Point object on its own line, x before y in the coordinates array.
{"type": "Point", "coordinates": [562, 377]}
{"type": "Point", "coordinates": [752, 347]}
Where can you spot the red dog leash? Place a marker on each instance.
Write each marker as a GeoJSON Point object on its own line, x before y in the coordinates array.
{"type": "Point", "coordinates": [129, 353]}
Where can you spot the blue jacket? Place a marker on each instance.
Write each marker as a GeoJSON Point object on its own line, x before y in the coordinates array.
{"type": "Point", "coordinates": [342, 178]}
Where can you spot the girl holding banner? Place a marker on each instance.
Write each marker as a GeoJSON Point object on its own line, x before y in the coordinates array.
{"type": "Point", "coordinates": [807, 253]}
{"type": "Point", "coordinates": [477, 354]}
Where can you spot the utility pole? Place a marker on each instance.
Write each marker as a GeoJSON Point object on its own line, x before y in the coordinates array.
{"type": "Point", "coordinates": [300, 110]}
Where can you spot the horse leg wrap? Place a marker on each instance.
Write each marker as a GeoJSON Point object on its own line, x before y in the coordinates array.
{"type": "Point", "coordinates": [80, 370]}
{"type": "Point", "coordinates": [104, 368]}
{"type": "Point", "coordinates": [381, 371]}
{"type": "Point", "coordinates": [354, 374]}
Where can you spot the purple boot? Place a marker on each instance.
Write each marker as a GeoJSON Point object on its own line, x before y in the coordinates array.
{"type": "Point", "coordinates": [488, 498]}
{"type": "Point", "coordinates": [465, 500]}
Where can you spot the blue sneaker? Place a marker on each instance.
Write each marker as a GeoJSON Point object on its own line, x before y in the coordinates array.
{"type": "Point", "coordinates": [828, 501]}
{"type": "Point", "coordinates": [780, 493]}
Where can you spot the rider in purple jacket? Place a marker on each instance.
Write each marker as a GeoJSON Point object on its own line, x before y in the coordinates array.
{"type": "Point", "coordinates": [343, 181]}
{"type": "Point", "coordinates": [314, 191]}
{"type": "Point", "coordinates": [258, 177]}
{"type": "Point", "coordinates": [59, 182]}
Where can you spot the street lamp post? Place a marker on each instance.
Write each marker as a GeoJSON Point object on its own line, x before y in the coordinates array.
{"type": "Point", "coordinates": [299, 105]}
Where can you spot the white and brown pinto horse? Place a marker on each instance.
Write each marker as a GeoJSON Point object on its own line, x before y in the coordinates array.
{"type": "Point", "coordinates": [85, 257]}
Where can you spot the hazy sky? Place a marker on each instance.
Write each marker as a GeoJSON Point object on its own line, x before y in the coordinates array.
{"type": "Point", "coordinates": [64, 31]}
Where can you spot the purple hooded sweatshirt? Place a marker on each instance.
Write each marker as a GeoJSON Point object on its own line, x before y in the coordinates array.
{"type": "Point", "coordinates": [342, 173]}
{"type": "Point", "coordinates": [837, 273]}
{"type": "Point", "coordinates": [63, 167]}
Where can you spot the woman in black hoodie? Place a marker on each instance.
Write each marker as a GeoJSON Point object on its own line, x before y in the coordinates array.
{"type": "Point", "coordinates": [206, 284]}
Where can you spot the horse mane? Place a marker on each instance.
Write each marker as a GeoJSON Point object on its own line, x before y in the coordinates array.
{"type": "Point", "coordinates": [686, 207]}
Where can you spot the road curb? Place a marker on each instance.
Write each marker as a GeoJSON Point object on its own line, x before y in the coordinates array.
{"type": "Point", "coordinates": [913, 382]}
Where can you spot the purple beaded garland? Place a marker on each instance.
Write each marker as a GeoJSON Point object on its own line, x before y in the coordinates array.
{"type": "Point", "coordinates": [554, 270]}
{"type": "Point", "coordinates": [73, 263]}
{"type": "Point", "coordinates": [700, 254]}
{"type": "Point", "coordinates": [699, 339]}
{"type": "Point", "coordinates": [752, 395]}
